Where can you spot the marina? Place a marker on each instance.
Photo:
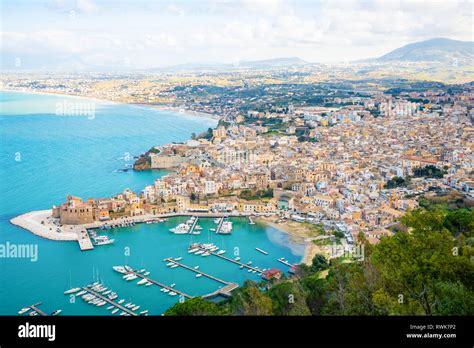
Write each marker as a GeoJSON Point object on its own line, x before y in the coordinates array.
{"type": "Point", "coordinates": [242, 265]}
{"type": "Point", "coordinates": [283, 261]}
{"type": "Point", "coordinates": [111, 302]}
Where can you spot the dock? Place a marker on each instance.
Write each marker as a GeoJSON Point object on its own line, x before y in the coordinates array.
{"type": "Point", "coordinates": [250, 220]}
{"type": "Point", "coordinates": [197, 271]}
{"type": "Point", "coordinates": [191, 229]}
{"type": "Point", "coordinates": [225, 291]}
{"type": "Point", "coordinates": [262, 251]}
{"type": "Point", "coordinates": [285, 262]}
{"type": "Point", "coordinates": [115, 304]}
{"type": "Point", "coordinates": [161, 285]}
{"type": "Point", "coordinates": [37, 310]}
{"type": "Point", "coordinates": [231, 260]}
{"type": "Point", "coordinates": [218, 228]}
{"type": "Point", "coordinates": [84, 240]}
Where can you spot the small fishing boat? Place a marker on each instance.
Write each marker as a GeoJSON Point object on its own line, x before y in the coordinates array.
{"type": "Point", "coordinates": [178, 258]}
{"type": "Point", "coordinates": [56, 312]}
{"type": "Point", "coordinates": [172, 293]}
{"type": "Point", "coordinates": [174, 266]}
{"type": "Point", "coordinates": [196, 267]}
{"type": "Point", "coordinates": [142, 281]}
{"type": "Point", "coordinates": [82, 292]}
{"type": "Point", "coordinates": [146, 273]}
{"type": "Point", "coordinates": [71, 291]}
{"type": "Point", "coordinates": [144, 312]}
{"type": "Point", "coordinates": [121, 301]}
{"type": "Point", "coordinates": [198, 275]}
{"type": "Point", "coordinates": [173, 285]}
{"type": "Point", "coordinates": [110, 307]}
{"type": "Point", "coordinates": [170, 264]}
{"type": "Point", "coordinates": [24, 310]}
{"type": "Point", "coordinates": [148, 284]}
{"type": "Point", "coordinates": [165, 290]}
{"type": "Point", "coordinates": [135, 308]}
{"type": "Point", "coordinates": [115, 310]}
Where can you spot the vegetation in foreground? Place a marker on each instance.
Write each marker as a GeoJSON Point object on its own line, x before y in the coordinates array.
{"type": "Point", "coordinates": [425, 271]}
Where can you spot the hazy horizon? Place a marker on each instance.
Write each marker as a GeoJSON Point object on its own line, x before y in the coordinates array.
{"type": "Point", "coordinates": [77, 34]}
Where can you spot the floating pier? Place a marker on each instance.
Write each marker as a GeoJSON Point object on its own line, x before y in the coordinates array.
{"type": "Point", "coordinates": [250, 220]}
{"type": "Point", "coordinates": [37, 310]}
{"type": "Point", "coordinates": [159, 284]}
{"type": "Point", "coordinates": [262, 251]}
{"type": "Point", "coordinates": [231, 260]}
{"type": "Point", "coordinates": [219, 226]}
{"type": "Point", "coordinates": [106, 299]}
{"type": "Point", "coordinates": [198, 271]}
{"type": "Point", "coordinates": [191, 229]}
{"type": "Point", "coordinates": [285, 262]}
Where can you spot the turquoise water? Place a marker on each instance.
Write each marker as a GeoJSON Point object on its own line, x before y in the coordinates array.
{"type": "Point", "coordinates": [43, 157]}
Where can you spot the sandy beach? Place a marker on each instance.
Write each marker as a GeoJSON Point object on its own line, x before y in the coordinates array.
{"type": "Point", "coordinates": [111, 102]}
{"type": "Point", "coordinates": [298, 232]}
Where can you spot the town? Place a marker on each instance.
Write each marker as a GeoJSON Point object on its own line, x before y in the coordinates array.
{"type": "Point", "coordinates": [350, 168]}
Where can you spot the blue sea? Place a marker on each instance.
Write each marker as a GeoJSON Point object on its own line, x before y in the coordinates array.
{"type": "Point", "coordinates": [45, 156]}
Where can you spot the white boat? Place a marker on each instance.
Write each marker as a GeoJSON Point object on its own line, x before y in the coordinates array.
{"type": "Point", "coordinates": [56, 312]}
{"type": "Point", "coordinates": [220, 252]}
{"type": "Point", "coordinates": [165, 290]}
{"type": "Point", "coordinates": [121, 301]}
{"type": "Point", "coordinates": [115, 310]}
{"type": "Point", "coordinates": [217, 221]}
{"type": "Point", "coordinates": [107, 292]}
{"type": "Point", "coordinates": [144, 312]}
{"type": "Point", "coordinates": [174, 266]}
{"type": "Point", "coordinates": [142, 270]}
{"type": "Point", "coordinates": [212, 229]}
{"type": "Point", "coordinates": [172, 293]}
{"type": "Point", "coordinates": [199, 252]}
{"type": "Point", "coordinates": [173, 285]}
{"type": "Point", "coordinates": [130, 277]}
{"type": "Point", "coordinates": [142, 281]}
{"type": "Point", "coordinates": [128, 268]}
{"type": "Point", "coordinates": [249, 271]}
{"type": "Point", "coordinates": [237, 258]}
{"type": "Point", "coordinates": [101, 303]}
{"type": "Point", "coordinates": [178, 258]}
{"type": "Point", "coordinates": [249, 263]}
{"type": "Point", "coordinates": [146, 273]}
{"type": "Point", "coordinates": [206, 254]}
{"type": "Point", "coordinates": [148, 284]}
{"type": "Point", "coordinates": [197, 227]}
{"type": "Point", "coordinates": [193, 250]}
{"type": "Point", "coordinates": [170, 264]}
{"type": "Point", "coordinates": [102, 240]}
{"type": "Point", "coordinates": [196, 267]}
{"type": "Point", "coordinates": [226, 228]}
{"type": "Point", "coordinates": [196, 232]}
{"type": "Point", "coordinates": [198, 275]}
{"type": "Point", "coordinates": [24, 310]}
{"type": "Point", "coordinates": [110, 307]}
{"type": "Point", "coordinates": [135, 308]}
{"type": "Point", "coordinates": [71, 291]}
{"type": "Point", "coordinates": [180, 229]}
{"type": "Point", "coordinates": [82, 292]}
{"type": "Point", "coordinates": [33, 314]}
{"type": "Point", "coordinates": [119, 269]}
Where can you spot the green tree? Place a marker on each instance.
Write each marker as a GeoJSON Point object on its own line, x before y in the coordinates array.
{"type": "Point", "coordinates": [289, 298]}
{"type": "Point", "coordinates": [195, 306]}
{"type": "Point", "coordinates": [319, 263]}
{"type": "Point", "coordinates": [249, 300]}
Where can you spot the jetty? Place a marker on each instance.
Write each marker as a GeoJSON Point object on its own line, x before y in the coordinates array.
{"type": "Point", "coordinates": [84, 240]}
{"type": "Point", "coordinates": [37, 310]}
{"type": "Point", "coordinates": [250, 220]}
{"type": "Point", "coordinates": [191, 229]}
{"type": "Point", "coordinates": [106, 299]}
{"type": "Point", "coordinates": [219, 226]}
{"type": "Point", "coordinates": [231, 260]}
{"type": "Point", "coordinates": [196, 271]}
{"type": "Point", "coordinates": [262, 251]}
{"type": "Point", "coordinates": [161, 285]}
{"type": "Point", "coordinates": [285, 262]}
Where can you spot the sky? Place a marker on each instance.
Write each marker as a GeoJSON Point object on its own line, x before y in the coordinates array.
{"type": "Point", "coordinates": [66, 34]}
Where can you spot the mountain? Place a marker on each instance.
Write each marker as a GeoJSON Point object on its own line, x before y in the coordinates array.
{"type": "Point", "coordinates": [438, 50]}
{"type": "Point", "coordinates": [273, 63]}
{"type": "Point", "coordinates": [255, 64]}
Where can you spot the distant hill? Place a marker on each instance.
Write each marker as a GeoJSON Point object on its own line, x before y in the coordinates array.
{"type": "Point", "coordinates": [435, 50]}
{"type": "Point", "coordinates": [273, 63]}
{"type": "Point", "coordinates": [256, 64]}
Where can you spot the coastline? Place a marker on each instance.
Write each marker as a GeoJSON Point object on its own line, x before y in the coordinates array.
{"type": "Point", "coordinates": [298, 233]}
{"type": "Point", "coordinates": [112, 102]}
